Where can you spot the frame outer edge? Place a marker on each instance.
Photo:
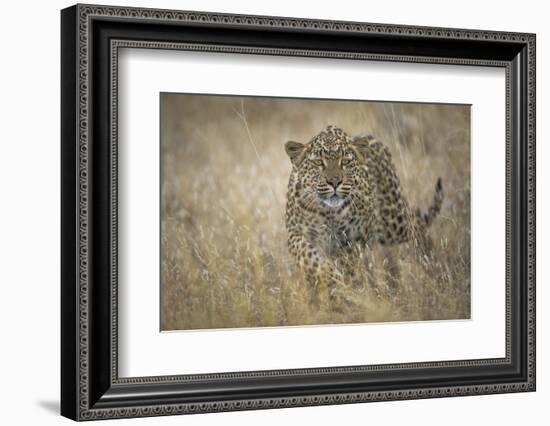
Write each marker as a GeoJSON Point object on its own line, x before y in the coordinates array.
{"type": "Point", "coordinates": [83, 197]}
{"type": "Point", "coordinates": [69, 282]}
{"type": "Point", "coordinates": [531, 200]}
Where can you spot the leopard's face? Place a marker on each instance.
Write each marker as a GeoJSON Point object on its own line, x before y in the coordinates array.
{"type": "Point", "coordinates": [326, 169]}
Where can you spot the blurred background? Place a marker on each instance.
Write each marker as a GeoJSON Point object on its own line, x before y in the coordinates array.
{"type": "Point", "coordinates": [224, 173]}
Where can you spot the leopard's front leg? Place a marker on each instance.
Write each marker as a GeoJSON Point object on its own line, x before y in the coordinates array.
{"type": "Point", "coordinates": [322, 274]}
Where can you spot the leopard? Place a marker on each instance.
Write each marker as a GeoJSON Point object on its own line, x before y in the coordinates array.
{"type": "Point", "coordinates": [344, 196]}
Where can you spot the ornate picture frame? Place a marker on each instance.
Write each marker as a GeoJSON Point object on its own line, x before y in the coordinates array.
{"type": "Point", "coordinates": [91, 37]}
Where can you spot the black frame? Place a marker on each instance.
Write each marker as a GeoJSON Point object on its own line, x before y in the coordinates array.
{"type": "Point", "coordinates": [91, 37]}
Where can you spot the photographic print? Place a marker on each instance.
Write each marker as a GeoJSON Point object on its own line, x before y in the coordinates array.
{"type": "Point", "coordinates": [261, 183]}
{"type": "Point", "coordinates": [289, 212]}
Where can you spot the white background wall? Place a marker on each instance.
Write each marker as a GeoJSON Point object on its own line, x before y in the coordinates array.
{"type": "Point", "coordinates": [29, 211]}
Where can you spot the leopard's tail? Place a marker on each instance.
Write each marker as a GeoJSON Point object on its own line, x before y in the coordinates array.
{"type": "Point", "coordinates": [427, 218]}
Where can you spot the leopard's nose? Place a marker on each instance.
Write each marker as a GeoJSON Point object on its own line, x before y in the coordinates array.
{"type": "Point", "coordinates": [334, 180]}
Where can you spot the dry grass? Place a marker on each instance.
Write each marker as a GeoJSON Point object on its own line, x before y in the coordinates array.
{"type": "Point", "coordinates": [224, 174]}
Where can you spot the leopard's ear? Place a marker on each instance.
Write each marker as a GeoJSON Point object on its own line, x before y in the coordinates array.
{"type": "Point", "coordinates": [361, 145]}
{"type": "Point", "coordinates": [296, 151]}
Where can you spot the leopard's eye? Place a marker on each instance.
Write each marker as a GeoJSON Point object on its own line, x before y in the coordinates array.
{"type": "Point", "coordinates": [345, 161]}
{"type": "Point", "coordinates": [319, 162]}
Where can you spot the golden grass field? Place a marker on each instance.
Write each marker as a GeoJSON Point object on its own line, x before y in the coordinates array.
{"type": "Point", "coordinates": [224, 173]}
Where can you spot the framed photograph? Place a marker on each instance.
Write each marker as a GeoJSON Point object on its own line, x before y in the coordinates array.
{"type": "Point", "coordinates": [263, 212]}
